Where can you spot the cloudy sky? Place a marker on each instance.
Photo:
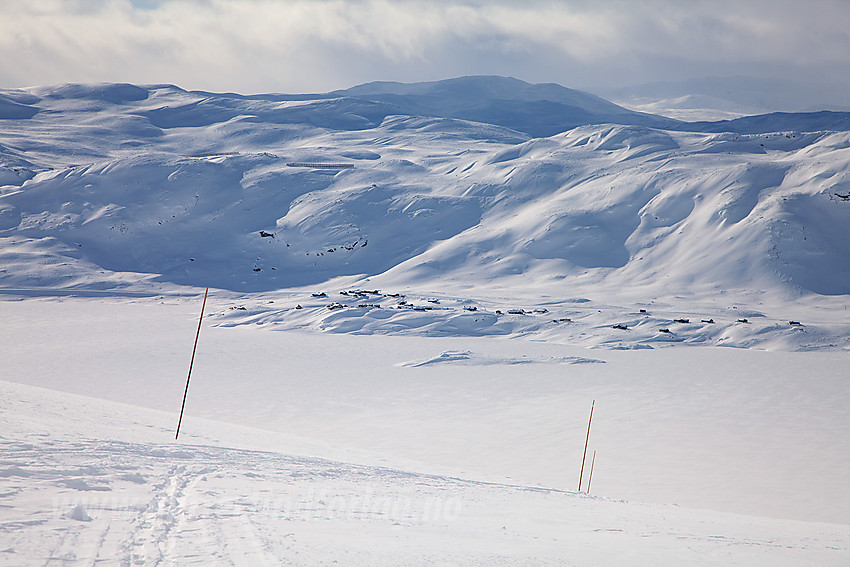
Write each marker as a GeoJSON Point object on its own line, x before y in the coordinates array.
{"type": "Point", "coordinates": [252, 46]}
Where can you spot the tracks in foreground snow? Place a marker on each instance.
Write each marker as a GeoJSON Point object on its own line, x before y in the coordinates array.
{"type": "Point", "coordinates": [92, 501]}
{"type": "Point", "coordinates": [168, 504]}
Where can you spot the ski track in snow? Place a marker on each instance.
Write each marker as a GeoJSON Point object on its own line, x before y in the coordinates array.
{"type": "Point", "coordinates": [72, 495]}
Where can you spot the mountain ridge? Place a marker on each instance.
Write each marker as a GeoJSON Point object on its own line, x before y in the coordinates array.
{"type": "Point", "coordinates": [538, 110]}
{"type": "Point", "coordinates": [117, 186]}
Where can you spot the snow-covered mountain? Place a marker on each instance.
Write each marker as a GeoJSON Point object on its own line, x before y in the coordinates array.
{"type": "Point", "coordinates": [733, 95]}
{"type": "Point", "coordinates": [536, 109]}
{"type": "Point", "coordinates": [434, 187]}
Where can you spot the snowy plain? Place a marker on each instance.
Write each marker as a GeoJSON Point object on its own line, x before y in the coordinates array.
{"type": "Point", "coordinates": [399, 356]}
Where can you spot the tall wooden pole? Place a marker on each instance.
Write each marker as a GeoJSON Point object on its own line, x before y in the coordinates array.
{"type": "Point", "coordinates": [586, 439]}
{"type": "Point", "coordinates": [192, 362]}
{"type": "Point", "coordinates": [590, 477]}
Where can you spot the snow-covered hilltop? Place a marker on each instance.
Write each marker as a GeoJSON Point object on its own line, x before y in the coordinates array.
{"type": "Point", "coordinates": [434, 187]}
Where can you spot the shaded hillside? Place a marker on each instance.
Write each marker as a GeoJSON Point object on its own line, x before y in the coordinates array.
{"type": "Point", "coordinates": [108, 185]}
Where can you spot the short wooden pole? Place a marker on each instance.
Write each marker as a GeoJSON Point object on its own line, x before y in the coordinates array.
{"type": "Point", "coordinates": [586, 439]}
{"type": "Point", "coordinates": [192, 362]}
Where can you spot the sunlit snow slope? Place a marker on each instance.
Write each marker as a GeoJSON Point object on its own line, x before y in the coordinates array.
{"type": "Point", "coordinates": [444, 190]}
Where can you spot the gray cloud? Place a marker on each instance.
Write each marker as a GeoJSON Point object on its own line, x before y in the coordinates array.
{"type": "Point", "coordinates": [317, 45]}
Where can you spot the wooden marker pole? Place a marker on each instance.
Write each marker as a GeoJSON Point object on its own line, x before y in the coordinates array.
{"type": "Point", "coordinates": [586, 439]}
{"type": "Point", "coordinates": [192, 362]}
{"type": "Point", "coordinates": [590, 477]}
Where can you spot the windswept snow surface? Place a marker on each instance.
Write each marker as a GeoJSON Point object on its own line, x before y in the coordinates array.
{"type": "Point", "coordinates": [450, 291]}
{"type": "Point", "coordinates": [89, 482]}
{"type": "Point", "coordinates": [358, 458]}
